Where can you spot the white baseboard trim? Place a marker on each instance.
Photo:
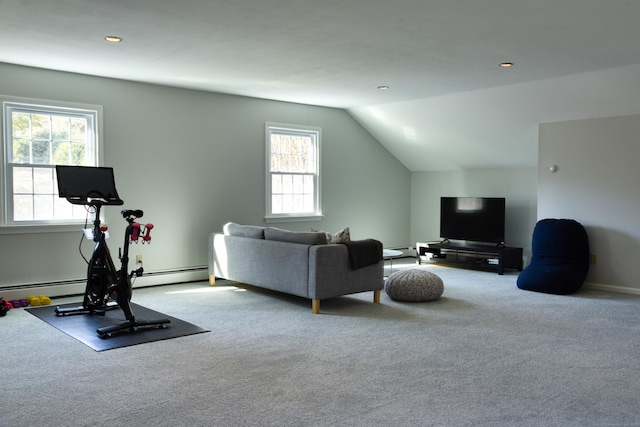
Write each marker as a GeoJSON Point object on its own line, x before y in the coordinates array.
{"type": "Point", "coordinates": [77, 287]}
{"type": "Point", "coordinates": [195, 274]}
{"type": "Point", "coordinates": [611, 288]}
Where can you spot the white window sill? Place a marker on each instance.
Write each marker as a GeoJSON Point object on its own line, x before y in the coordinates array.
{"type": "Point", "coordinates": [42, 228]}
{"type": "Point", "coordinates": [292, 218]}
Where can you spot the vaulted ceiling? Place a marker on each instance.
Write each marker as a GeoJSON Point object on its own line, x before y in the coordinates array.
{"type": "Point", "coordinates": [448, 104]}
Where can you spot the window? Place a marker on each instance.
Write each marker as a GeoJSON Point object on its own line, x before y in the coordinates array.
{"type": "Point", "coordinates": [293, 171]}
{"type": "Point", "coordinates": [38, 136]}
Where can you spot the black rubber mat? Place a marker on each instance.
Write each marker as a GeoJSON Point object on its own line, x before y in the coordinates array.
{"type": "Point", "coordinates": [83, 327]}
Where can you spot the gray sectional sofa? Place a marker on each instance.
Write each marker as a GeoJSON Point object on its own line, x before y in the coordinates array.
{"type": "Point", "coordinates": [297, 263]}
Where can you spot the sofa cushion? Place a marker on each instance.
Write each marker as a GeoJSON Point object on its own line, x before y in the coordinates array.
{"type": "Point", "coordinates": [252, 231]}
{"type": "Point", "coordinates": [305, 238]}
{"type": "Point", "coordinates": [340, 237]}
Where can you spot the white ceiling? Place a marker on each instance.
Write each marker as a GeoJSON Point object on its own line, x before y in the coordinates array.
{"type": "Point", "coordinates": [448, 106]}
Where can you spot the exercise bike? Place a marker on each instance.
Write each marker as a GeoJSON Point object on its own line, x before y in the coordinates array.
{"type": "Point", "coordinates": [107, 288]}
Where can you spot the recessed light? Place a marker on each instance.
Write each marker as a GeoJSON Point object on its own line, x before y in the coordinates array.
{"type": "Point", "coordinates": [113, 39]}
{"type": "Point", "coordinates": [383, 87]}
{"type": "Point", "coordinates": [506, 64]}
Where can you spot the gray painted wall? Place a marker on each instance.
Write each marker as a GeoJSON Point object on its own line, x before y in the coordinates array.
{"type": "Point", "coordinates": [596, 183]}
{"type": "Point", "coordinates": [194, 160]}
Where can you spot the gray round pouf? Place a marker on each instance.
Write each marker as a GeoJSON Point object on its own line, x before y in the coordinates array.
{"type": "Point", "coordinates": [414, 285]}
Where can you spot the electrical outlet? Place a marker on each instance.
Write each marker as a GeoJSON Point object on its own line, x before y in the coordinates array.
{"type": "Point", "coordinates": [138, 259]}
{"type": "Point", "coordinates": [593, 258]}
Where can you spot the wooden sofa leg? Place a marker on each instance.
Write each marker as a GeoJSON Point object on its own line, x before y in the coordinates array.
{"type": "Point", "coordinates": [376, 296]}
{"type": "Point", "coordinates": [315, 306]}
{"type": "Point", "coordinates": [212, 280]}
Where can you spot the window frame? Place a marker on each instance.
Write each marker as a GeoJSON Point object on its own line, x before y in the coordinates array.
{"type": "Point", "coordinates": [7, 224]}
{"type": "Point", "coordinates": [316, 133]}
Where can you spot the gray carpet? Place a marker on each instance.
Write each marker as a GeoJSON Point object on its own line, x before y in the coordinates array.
{"type": "Point", "coordinates": [485, 354]}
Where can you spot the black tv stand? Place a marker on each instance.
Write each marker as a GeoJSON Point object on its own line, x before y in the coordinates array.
{"type": "Point", "coordinates": [495, 257]}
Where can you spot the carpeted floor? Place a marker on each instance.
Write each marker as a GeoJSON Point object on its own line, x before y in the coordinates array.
{"type": "Point", "coordinates": [485, 354]}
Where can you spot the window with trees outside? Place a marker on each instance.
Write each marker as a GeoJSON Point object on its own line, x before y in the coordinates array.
{"type": "Point", "coordinates": [37, 137]}
{"type": "Point", "coordinates": [293, 171]}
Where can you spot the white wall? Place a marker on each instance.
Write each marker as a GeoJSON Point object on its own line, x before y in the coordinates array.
{"type": "Point", "coordinates": [518, 186]}
{"type": "Point", "coordinates": [597, 183]}
{"type": "Point", "coordinates": [194, 160]}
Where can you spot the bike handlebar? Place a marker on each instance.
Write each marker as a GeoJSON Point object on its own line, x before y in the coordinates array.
{"type": "Point", "coordinates": [136, 213]}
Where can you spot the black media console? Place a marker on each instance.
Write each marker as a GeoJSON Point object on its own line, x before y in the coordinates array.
{"type": "Point", "coordinates": [485, 255]}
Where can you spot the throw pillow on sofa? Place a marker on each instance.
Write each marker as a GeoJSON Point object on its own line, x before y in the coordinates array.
{"type": "Point", "coordinates": [340, 237]}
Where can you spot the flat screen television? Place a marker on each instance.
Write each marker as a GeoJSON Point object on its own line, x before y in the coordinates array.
{"type": "Point", "coordinates": [477, 219]}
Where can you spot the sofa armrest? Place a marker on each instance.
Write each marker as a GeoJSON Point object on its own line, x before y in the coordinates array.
{"type": "Point", "coordinates": [330, 274]}
{"type": "Point", "coordinates": [270, 264]}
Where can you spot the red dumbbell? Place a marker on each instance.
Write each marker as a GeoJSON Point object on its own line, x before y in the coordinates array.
{"type": "Point", "coordinates": [147, 234]}
{"type": "Point", "coordinates": [135, 234]}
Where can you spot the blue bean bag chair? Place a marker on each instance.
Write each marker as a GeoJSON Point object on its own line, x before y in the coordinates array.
{"type": "Point", "coordinates": [559, 259]}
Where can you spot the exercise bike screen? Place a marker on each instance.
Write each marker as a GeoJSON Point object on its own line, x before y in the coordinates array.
{"type": "Point", "coordinates": [78, 184]}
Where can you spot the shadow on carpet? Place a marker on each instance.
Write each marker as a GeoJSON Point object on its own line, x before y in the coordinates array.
{"type": "Point", "coordinates": [83, 326]}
